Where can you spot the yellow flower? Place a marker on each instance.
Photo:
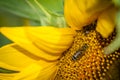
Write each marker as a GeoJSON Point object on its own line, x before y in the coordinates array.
{"type": "Point", "coordinates": [34, 51]}
{"type": "Point", "coordinates": [79, 13]}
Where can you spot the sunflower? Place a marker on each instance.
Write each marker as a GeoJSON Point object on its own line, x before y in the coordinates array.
{"type": "Point", "coordinates": [105, 15]}
{"type": "Point", "coordinates": [50, 53]}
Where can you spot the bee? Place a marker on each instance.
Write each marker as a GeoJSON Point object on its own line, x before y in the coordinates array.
{"type": "Point", "coordinates": [80, 52]}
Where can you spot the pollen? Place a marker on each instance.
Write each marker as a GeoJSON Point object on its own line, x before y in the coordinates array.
{"type": "Point", "coordinates": [85, 59]}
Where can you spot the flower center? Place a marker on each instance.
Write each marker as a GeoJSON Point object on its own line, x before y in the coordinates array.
{"type": "Point", "coordinates": [85, 59]}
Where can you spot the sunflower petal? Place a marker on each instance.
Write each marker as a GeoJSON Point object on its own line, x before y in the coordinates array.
{"type": "Point", "coordinates": [32, 39]}
{"type": "Point", "coordinates": [12, 59]}
{"type": "Point", "coordinates": [9, 55]}
{"type": "Point", "coordinates": [28, 73]}
{"type": "Point", "coordinates": [50, 39]}
{"type": "Point", "coordinates": [48, 72]}
{"type": "Point", "coordinates": [37, 71]}
{"type": "Point", "coordinates": [115, 44]}
{"type": "Point", "coordinates": [79, 13]}
{"type": "Point", "coordinates": [106, 22]}
{"type": "Point", "coordinates": [29, 69]}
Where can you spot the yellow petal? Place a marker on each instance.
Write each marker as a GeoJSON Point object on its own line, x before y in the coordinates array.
{"type": "Point", "coordinates": [36, 44]}
{"type": "Point", "coordinates": [50, 39]}
{"type": "Point", "coordinates": [9, 67]}
{"type": "Point", "coordinates": [29, 73]}
{"type": "Point", "coordinates": [6, 76]}
{"type": "Point", "coordinates": [12, 59]}
{"type": "Point", "coordinates": [9, 55]}
{"type": "Point", "coordinates": [79, 13]}
{"type": "Point", "coordinates": [30, 69]}
{"type": "Point", "coordinates": [48, 72]}
{"type": "Point", "coordinates": [37, 71]}
{"type": "Point", "coordinates": [106, 22]}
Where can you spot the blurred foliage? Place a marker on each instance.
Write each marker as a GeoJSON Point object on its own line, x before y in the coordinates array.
{"type": "Point", "coordinates": [4, 40]}
{"type": "Point", "coordinates": [8, 19]}
{"type": "Point", "coordinates": [35, 12]}
{"type": "Point", "coordinates": [44, 12]}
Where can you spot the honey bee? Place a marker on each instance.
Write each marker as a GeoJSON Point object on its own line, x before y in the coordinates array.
{"type": "Point", "coordinates": [80, 52]}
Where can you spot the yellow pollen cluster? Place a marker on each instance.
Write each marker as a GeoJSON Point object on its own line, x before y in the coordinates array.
{"type": "Point", "coordinates": [85, 59]}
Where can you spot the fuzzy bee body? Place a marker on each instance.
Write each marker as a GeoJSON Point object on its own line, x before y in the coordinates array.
{"type": "Point", "coordinates": [80, 52]}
